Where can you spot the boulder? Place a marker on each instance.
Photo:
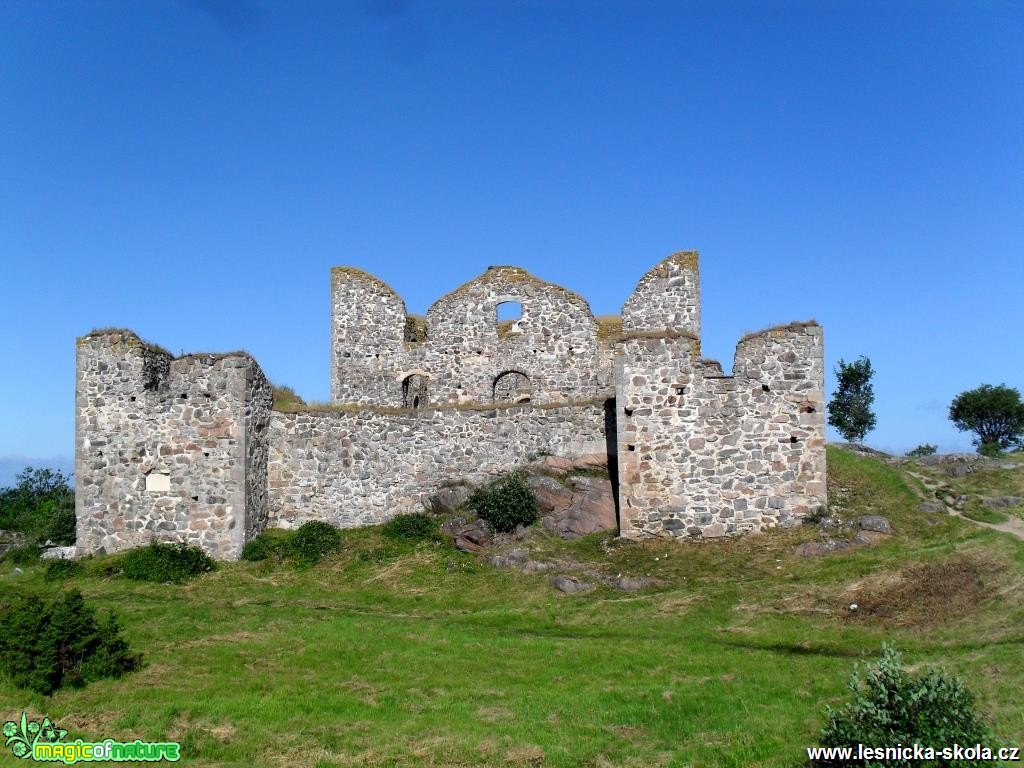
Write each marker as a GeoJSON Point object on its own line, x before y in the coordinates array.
{"type": "Point", "coordinates": [511, 559]}
{"type": "Point", "coordinates": [569, 585]}
{"type": "Point", "coordinates": [932, 506]}
{"type": "Point", "coordinates": [818, 548]}
{"type": "Point", "coordinates": [449, 499]}
{"type": "Point", "coordinates": [633, 583]}
{"type": "Point", "coordinates": [536, 566]}
{"type": "Point", "coordinates": [58, 553]}
{"type": "Point", "coordinates": [591, 509]}
{"type": "Point", "coordinates": [1000, 502]}
{"type": "Point", "coordinates": [875, 523]}
{"type": "Point", "coordinates": [868, 538]}
{"type": "Point", "coordinates": [473, 536]}
{"type": "Point", "coordinates": [551, 495]}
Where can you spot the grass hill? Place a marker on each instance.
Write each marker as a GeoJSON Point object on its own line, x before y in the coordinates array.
{"type": "Point", "coordinates": [392, 654]}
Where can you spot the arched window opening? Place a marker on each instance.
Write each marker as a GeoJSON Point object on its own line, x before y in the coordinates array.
{"type": "Point", "coordinates": [512, 387]}
{"type": "Point", "coordinates": [414, 391]}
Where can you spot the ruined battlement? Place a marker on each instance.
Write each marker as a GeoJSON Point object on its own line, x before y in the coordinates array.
{"type": "Point", "coordinates": [503, 368]}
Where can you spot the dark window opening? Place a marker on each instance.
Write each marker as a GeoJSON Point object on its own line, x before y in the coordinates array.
{"type": "Point", "coordinates": [628, 411]}
{"type": "Point", "coordinates": [792, 439]}
{"type": "Point", "coordinates": [631, 447]}
{"type": "Point", "coordinates": [807, 409]}
{"type": "Point", "coordinates": [414, 391]}
{"type": "Point", "coordinates": [764, 388]}
{"type": "Point", "coordinates": [680, 390]}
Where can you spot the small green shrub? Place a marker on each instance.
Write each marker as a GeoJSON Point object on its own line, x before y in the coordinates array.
{"type": "Point", "coordinates": [505, 503]}
{"type": "Point", "coordinates": [891, 707]}
{"type": "Point", "coordinates": [59, 570]}
{"type": "Point", "coordinates": [27, 554]}
{"type": "Point", "coordinates": [62, 526]}
{"type": "Point", "coordinates": [314, 540]}
{"type": "Point", "coordinates": [47, 644]}
{"type": "Point", "coordinates": [165, 562]}
{"type": "Point", "coordinates": [414, 526]}
{"type": "Point", "coordinates": [925, 449]}
{"type": "Point", "coordinates": [271, 544]}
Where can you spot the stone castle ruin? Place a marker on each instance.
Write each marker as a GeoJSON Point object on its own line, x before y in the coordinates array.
{"type": "Point", "coordinates": [501, 370]}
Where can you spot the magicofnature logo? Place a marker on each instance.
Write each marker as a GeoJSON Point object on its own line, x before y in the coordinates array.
{"type": "Point", "coordinates": [44, 742]}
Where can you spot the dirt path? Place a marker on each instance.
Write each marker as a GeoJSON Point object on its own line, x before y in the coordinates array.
{"type": "Point", "coordinates": [1013, 526]}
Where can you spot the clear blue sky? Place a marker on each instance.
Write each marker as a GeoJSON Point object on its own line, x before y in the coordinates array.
{"type": "Point", "coordinates": [191, 169]}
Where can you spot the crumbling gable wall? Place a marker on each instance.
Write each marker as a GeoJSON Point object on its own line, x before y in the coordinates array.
{"type": "Point", "coordinates": [168, 449]}
{"type": "Point", "coordinates": [463, 353]}
{"type": "Point", "coordinates": [667, 298]}
{"type": "Point", "coordinates": [368, 322]}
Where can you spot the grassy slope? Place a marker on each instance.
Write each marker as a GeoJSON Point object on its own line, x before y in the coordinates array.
{"type": "Point", "coordinates": [426, 657]}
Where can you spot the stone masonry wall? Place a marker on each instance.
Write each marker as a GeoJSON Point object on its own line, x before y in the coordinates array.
{"type": "Point", "coordinates": [706, 455]}
{"type": "Point", "coordinates": [168, 449]}
{"type": "Point", "coordinates": [667, 298]}
{"type": "Point", "coordinates": [362, 468]}
{"type": "Point", "coordinates": [553, 345]}
{"type": "Point", "coordinates": [461, 352]}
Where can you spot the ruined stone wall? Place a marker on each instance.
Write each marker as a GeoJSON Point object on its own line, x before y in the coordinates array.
{"type": "Point", "coordinates": [367, 339]}
{"type": "Point", "coordinates": [705, 455]}
{"type": "Point", "coordinates": [168, 449]}
{"type": "Point", "coordinates": [463, 354]}
{"type": "Point", "coordinates": [667, 298]}
{"type": "Point", "coordinates": [362, 468]}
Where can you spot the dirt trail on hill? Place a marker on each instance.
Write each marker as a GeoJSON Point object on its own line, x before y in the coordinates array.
{"type": "Point", "coordinates": [1013, 526]}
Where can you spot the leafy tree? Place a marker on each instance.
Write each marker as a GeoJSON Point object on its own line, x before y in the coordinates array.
{"type": "Point", "coordinates": [850, 409]}
{"type": "Point", "coordinates": [925, 449]}
{"type": "Point", "coordinates": [41, 505]}
{"type": "Point", "coordinates": [994, 414]}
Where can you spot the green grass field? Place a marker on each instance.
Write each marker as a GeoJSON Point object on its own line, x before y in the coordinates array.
{"type": "Point", "coordinates": [406, 655]}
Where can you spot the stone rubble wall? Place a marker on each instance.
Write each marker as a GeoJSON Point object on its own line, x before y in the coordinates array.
{"type": "Point", "coordinates": [709, 455]}
{"type": "Point", "coordinates": [199, 420]}
{"type": "Point", "coordinates": [362, 468]}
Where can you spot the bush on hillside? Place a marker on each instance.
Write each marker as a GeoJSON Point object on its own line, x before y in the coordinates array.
{"type": "Point", "coordinates": [60, 570]}
{"type": "Point", "coordinates": [271, 544]}
{"type": "Point", "coordinates": [505, 503]}
{"type": "Point", "coordinates": [413, 526]}
{"type": "Point", "coordinates": [41, 505]}
{"type": "Point", "coordinates": [925, 449]}
{"type": "Point", "coordinates": [165, 563]}
{"type": "Point", "coordinates": [48, 644]}
{"type": "Point", "coordinates": [314, 540]}
{"type": "Point", "coordinates": [27, 554]}
{"type": "Point", "coordinates": [889, 706]}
